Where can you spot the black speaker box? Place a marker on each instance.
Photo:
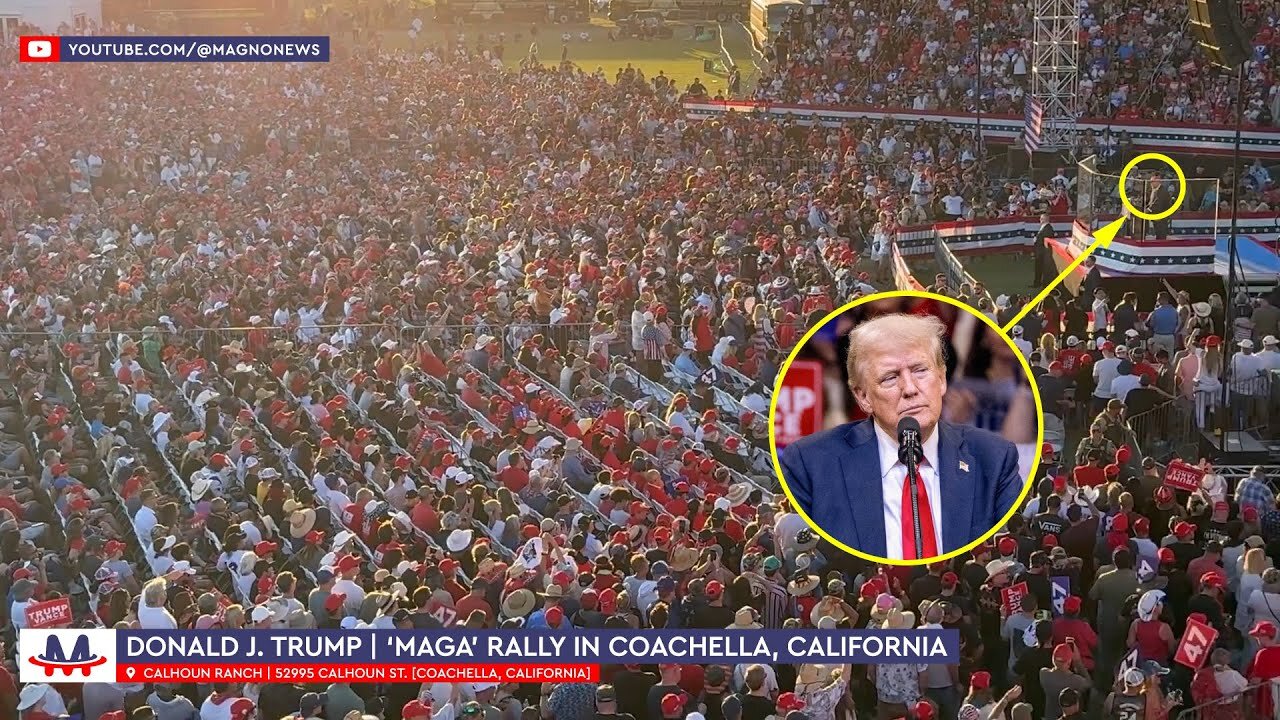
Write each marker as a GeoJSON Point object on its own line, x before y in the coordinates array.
{"type": "Point", "coordinates": [1215, 24]}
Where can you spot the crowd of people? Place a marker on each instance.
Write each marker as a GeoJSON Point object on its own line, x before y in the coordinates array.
{"type": "Point", "coordinates": [420, 341]}
{"type": "Point", "coordinates": [1136, 64]}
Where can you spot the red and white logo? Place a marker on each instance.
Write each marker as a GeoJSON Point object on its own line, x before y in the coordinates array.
{"type": "Point", "coordinates": [66, 656]}
{"type": "Point", "coordinates": [43, 48]}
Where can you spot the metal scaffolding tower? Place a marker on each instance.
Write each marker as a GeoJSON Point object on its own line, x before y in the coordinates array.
{"type": "Point", "coordinates": [1055, 71]}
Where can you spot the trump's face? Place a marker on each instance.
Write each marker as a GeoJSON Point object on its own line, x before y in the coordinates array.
{"type": "Point", "coordinates": [899, 380]}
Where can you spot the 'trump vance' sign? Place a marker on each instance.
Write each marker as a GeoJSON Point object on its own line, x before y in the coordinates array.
{"type": "Point", "coordinates": [799, 403]}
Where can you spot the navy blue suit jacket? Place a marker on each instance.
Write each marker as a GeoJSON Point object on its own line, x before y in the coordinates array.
{"type": "Point", "coordinates": [835, 477]}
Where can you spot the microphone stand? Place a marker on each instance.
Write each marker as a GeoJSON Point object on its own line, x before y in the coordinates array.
{"type": "Point", "coordinates": [910, 455]}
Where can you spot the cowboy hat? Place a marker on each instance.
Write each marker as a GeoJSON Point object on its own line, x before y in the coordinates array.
{"type": "Point", "coordinates": [744, 619]}
{"type": "Point", "coordinates": [811, 673]}
{"type": "Point", "coordinates": [458, 540]}
{"type": "Point", "coordinates": [900, 620]}
{"type": "Point", "coordinates": [199, 486]}
{"type": "Point", "coordinates": [301, 522]}
{"type": "Point", "coordinates": [738, 494]}
{"type": "Point", "coordinates": [519, 603]}
{"type": "Point", "coordinates": [803, 584]}
{"type": "Point", "coordinates": [1201, 309]}
{"type": "Point", "coordinates": [553, 591]}
{"type": "Point", "coordinates": [683, 559]}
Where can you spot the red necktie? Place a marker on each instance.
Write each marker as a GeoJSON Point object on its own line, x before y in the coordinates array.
{"type": "Point", "coordinates": [930, 544]}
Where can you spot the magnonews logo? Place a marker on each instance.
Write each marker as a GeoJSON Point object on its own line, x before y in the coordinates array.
{"type": "Point", "coordinates": [67, 656]}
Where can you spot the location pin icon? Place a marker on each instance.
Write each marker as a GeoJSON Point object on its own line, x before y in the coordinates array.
{"type": "Point", "coordinates": [129, 671]}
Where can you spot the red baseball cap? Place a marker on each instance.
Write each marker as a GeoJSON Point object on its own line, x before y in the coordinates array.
{"type": "Point", "coordinates": [715, 589]}
{"type": "Point", "coordinates": [415, 709]}
{"type": "Point", "coordinates": [1062, 652]}
{"type": "Point", "coordinates": [1123, 454]}
{"type": "Point", "coordinates": [1263, 629]}
{"type": "Point", "coordinates": [980, 680]}
{"type": "Point", "coordinates": [1007, 546]}
{"type": "Point", "coordinates": [672, 703]}
{"type": "Point", "coordinates": [1250, 513]}
{"type": "Point", "coordinates": [1213, 579]}
{"type": "Point", "coordinates": [1072, 604]}
{"type": "Point", "coordinates": [923, 710]}
{"type": "Point", "coordinates": [1141, 524]}
{"type": "Point", "coordinates": [1165, 556]}
{"type": "Point", "coordinates": [1049, 541]}
{"type": "Point", "coordinates": [1184, 529]}
{"type": "Point", "coordinates": [950, 579]}
{"type": "Point", "coordinates": [1163, 494]}
{"type": "Point", "coordinates": [448, 565]}
{"type": "Point", "coordinates": [789, 701]}
{"type": "Point", "coordinates": [1112, 470]}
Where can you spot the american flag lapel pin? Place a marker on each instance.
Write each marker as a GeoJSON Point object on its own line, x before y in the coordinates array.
{"type": "Point", "coordinates": [964, 466]}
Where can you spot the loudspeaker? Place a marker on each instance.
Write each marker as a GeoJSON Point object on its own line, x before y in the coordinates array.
{"type": "Point", "coordinates": [1217, 29]}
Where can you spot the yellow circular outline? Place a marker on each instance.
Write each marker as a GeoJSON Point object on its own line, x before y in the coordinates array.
{"type": "Point", "coordinates": [773, 409]}
{"type": "Point", "coordinates": [1177, 170]}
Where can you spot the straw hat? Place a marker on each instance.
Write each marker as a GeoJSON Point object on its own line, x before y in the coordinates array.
{"type": "Point", "coordinates": [744, 619]}
{"type": "Point", "coordinates": [900, 620]}
{"type": "Point", "coordinates": [301, 522]}
{"type": "Point", "coordinates": [683, 559]}
{"type": "Point", "coordinates": [811, 673]}
{"type": "Point", "coordinates": [519, 603]}
{"type": "Point", "coordinates": [803, 584]}
{"type": "Point", "coordinates": [738, 494]}
{"type": "Point", "coordinates": [1201, 309]}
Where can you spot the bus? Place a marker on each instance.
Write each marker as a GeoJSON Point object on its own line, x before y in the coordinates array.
{"type": "Point", "coordinates": [768, 16]}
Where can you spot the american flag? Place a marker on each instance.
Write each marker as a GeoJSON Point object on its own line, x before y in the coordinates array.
{"type": "Point", "coordinates": [1032, 124]}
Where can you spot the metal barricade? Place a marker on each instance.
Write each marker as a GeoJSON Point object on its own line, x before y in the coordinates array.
{"type": "Point", "coordinates": [1165, 430]}
{"type": "Point", "coordinates": [951, 266]}
{"type": "Point", "coordinates": [1252, 703]}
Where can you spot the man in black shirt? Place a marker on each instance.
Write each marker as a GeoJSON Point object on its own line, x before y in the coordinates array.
{"type": "Point", "coordinates": [1029, 665]}
{"type": "Point", "coordinates": [607, 705]}
{"type": "Point", "coordinates": [756, 704]}
{"type": "Point", "coordinates": [668, 685]}
{"type": "Point", "coordinates": [713, 615]}
{"type": "Point", "coordinates": [1069, 701]}
{"type": "Point", "coordinates": [1036, 577]}
{"type": "Point", "coordinates": [631, 687]}
{"type": "Point", "coordinates": [1213, 588]}
{"type": "Point", "coordinates": [1050, 521]}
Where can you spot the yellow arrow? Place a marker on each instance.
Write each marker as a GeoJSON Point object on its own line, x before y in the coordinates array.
{"type": "Point", "coordinates": [1102, 237]}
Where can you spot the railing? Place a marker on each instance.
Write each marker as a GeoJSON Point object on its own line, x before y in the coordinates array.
{"type": "Point", "coordinates": [1164, 430]}
{"type": "Point", "coordinates": [1252, 703]}
{"type": "Point", "coordinates": [951, 266]}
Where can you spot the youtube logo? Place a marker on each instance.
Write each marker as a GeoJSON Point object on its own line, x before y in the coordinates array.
{"type": "Point", "coordinates": [38, 48]}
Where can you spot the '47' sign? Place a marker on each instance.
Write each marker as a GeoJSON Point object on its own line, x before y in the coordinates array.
{"type": "Point", "coordinates": [1197, 642]}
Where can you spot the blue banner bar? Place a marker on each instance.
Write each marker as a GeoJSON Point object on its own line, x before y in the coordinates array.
{"type": "Point", "coordinates": [296, 647]}
{"type": "Point", "coordinates": [194, 48]}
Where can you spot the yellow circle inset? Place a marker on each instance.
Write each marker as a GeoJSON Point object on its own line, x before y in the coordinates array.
{"type": "Point", "coordinates": [773, 410]}
{"type": "Point", "coordinates": [1177, 170]}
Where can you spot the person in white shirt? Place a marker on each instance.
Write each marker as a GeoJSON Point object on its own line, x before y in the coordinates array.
{"type": "Point", "coordinates": [1023, 346]}
{"type": "Point", "coordinates": [1124, 381]}
{"type": "Point", "coordinates": [1101, 312]}
{"type": "Point", "coordinates": [1104, 371]}
{"type": "Point", "coordinates": [1269, 358]}
{"type": "Point", "coordinates": [144, 521]}
{"type": "Point", "coordinates": [152, 614]}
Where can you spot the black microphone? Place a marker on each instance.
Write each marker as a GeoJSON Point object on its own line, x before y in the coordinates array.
{"type": "Point", "coordinates": [909, 453]}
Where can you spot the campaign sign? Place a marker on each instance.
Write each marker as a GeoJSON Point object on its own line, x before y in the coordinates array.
{"type": "Point", "coordinates": [799, 410]}
{"type": "Point", "coordinates": [1181, 476]}
{"type": "Point", "coordinates": [49, 614]}
{"type": "Point", "coordinates": [1061, 589]}
{"type": "Point", "coordinates": [1197, 641]}
{"type": "Point", "coordinates": [1012, 597]}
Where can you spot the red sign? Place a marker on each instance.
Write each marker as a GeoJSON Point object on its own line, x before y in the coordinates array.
{"type": "Point", "coordinates": [1197, 641]}
{"type": "Point", "coordinates": [1012, 597]}
{"type": "Point", "coordinates": [49, 614]}
{"type": "Point", "coordinates": [1181, 476]}
{"type": "Point", "coordinates": [799, 410]}
{"type": "Point", "coordinates": [39, 48]}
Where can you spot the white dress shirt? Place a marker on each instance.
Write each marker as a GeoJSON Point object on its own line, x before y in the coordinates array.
{"type": "Point", "coordinates": [892, 475]}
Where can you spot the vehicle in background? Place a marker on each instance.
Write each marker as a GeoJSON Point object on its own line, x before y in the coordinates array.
{"type": "Point", "coordinates": [768, 16]}
{"type": "Point", "coordinates": [719, 10]}
{"type": "Point", "coordinates": [560, 11]}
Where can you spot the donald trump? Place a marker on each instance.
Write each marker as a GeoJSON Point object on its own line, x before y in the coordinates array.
{"type": "Point", "coordinates": [851, 481]}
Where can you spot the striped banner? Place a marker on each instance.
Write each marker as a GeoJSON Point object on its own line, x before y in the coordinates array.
{"type": "Point", "coordinates": [1187, 256]}
{"type": "Point", "coordinates": [1185, 137]}
{"type": "Point", "coordinates": [1032, 125]}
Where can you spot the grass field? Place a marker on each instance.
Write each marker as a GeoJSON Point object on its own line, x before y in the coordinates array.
{"type": "Point", "coordinates": [1003, 274]}
{"type": "Point", "coordinates": [680, 57]}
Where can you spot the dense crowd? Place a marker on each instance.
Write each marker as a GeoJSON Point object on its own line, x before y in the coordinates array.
{"type": "Point", "coordinates": [1136, 63]}
{"type": "Point", "coordinates": [409, 342]}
